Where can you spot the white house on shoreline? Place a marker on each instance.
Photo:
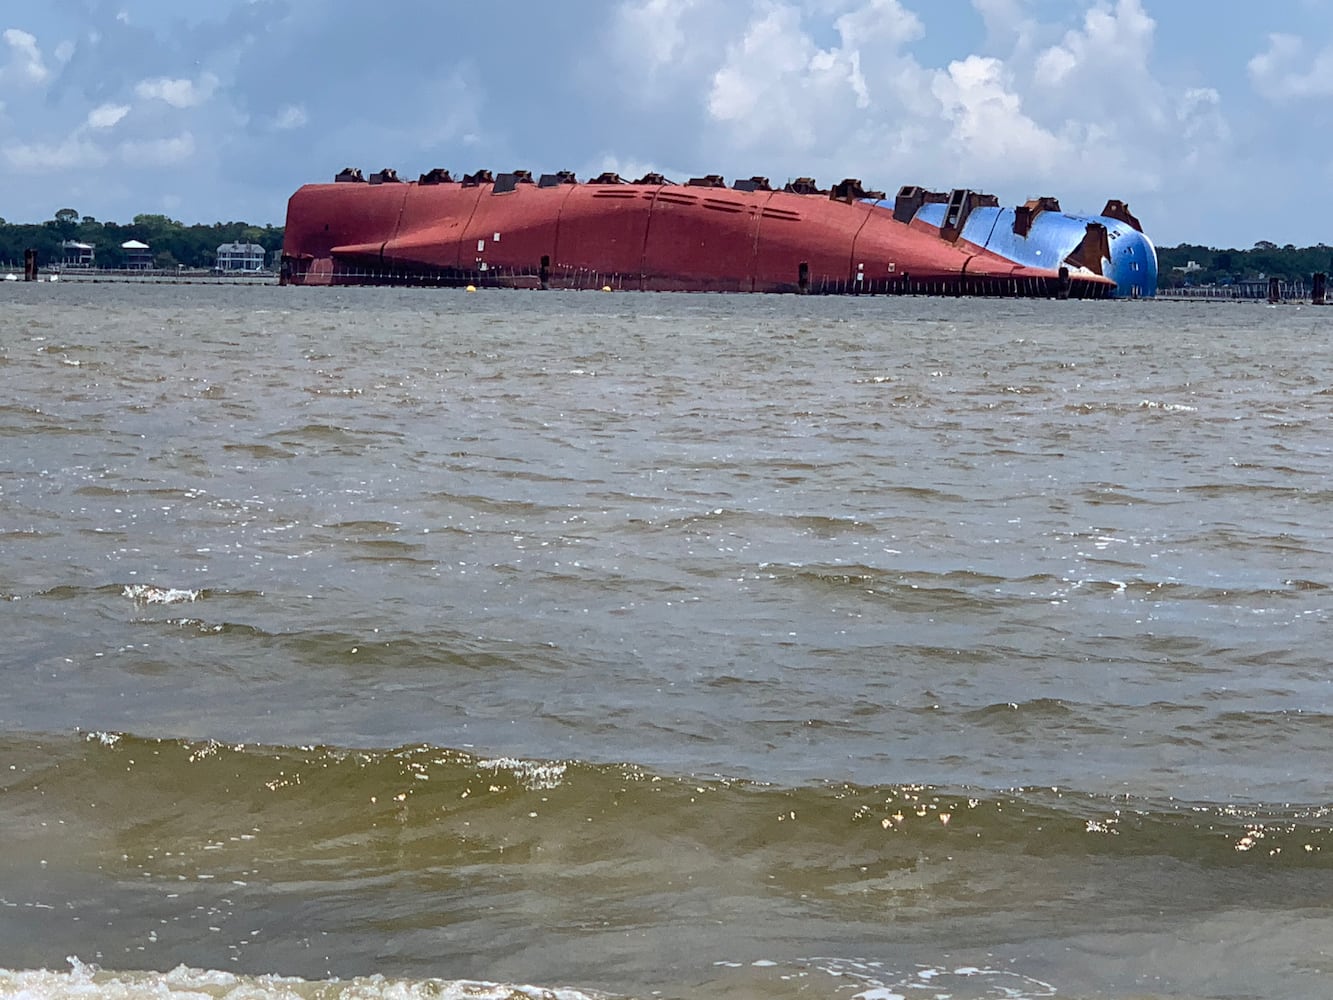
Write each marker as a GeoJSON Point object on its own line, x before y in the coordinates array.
{"type": "Point", "coordinates": [77, 254]}
{"type": "Point", "coordinates": [233, 257]}
{"type": "Point", "coordinates": [138, 255]}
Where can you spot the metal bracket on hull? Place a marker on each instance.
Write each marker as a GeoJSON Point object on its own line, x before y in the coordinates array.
{"type": "Point", "coordinates": [803, 185]}
{"type": "Point", "coordinates": [850, 190]}
{"type": "Point", "coordinates": [510, 182]}
{"type": "Point", "coordinates": [1119, 210]}
{"type": "Point", "coordinates": [755, 183]}
{"type": "Point", "coordinates": [910, 199]}
{"type": "Point", "coordinates": [1026, 214]}
{"type": "Point", "coordinates": [1094, 248]}
{"type": "Point", "coordinates": [961, 203]}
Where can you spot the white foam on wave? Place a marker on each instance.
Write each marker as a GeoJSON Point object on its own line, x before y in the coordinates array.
{"type": "Point", "coordinates": [865, 979]}
{"type": "Point", "coordinates": [87, 982]}
{"type": "Point", "coordinates": [877, 980]}
{"type": "Point", "coordinates": [148, 594]}
{"type": "Point", "coordinates": [1153, 404]}
{"type": "Point", "coordinates": [534, 775]}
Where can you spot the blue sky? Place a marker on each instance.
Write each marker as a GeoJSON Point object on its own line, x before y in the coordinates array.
{"type": "Point", "coordinates": [1210, 118]}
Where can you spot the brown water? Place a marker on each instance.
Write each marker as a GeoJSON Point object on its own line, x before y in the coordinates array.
{"type": "Point", "coordinates": [647, 645]}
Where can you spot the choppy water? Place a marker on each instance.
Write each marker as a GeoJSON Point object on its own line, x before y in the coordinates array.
{"type": "Point", "coordinates": [378, 643]}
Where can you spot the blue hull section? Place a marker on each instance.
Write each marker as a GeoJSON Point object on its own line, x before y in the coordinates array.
{"type": "Point", "coordinates": [1053, 237]}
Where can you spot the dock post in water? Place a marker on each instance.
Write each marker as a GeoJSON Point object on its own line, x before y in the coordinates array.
{"type": "Point", "coordinates": [30, 265]}
{"type": "Point", "coordinates": [1318, 288]}
{"type": "Point", "coordinates": [1274, 290]}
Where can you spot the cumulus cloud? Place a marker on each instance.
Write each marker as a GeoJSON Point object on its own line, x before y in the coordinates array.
{"type": "Point", "coordinates": [1082, 99]}
{"type": "Point", "coordinates": [650, 34]}
{"type": "Point", "coordinates": [72, 153]}
{"type": "Point", "coordinates": [988, 120]}
{"type": "Point", "coordinates": [1007, 21]}
{"type": "Point", "coordinates": [25, 65]}
{"type": "Point", "coordinates": [1286, 70]}
{"type": "Point", "coordinates": [163, 152]}
{"type": "Point", "coordinates": [290, 116]}
{"type": "Point", "coordinates": [1200, 116]}
{"type": "Point", "coordinates": [879, 23]}
{"type": "Point", "coordinates": [177, 92]}
{"type": "Point", "coordinates": [107, 115]}
{"type": "Point", "coordinates": [777, 86]}
{"type": "Point", "coordinates": [773, 56]}
{"type": "Point", "coordinates": [1083, 104]}
{"type": "Point", "coordinates": [1103, 66]}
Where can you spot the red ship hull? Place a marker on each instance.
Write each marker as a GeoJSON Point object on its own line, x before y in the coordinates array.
{"type": "Point", "coordinates": [643, 237]}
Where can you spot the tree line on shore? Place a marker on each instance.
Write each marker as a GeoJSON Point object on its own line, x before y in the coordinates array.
{"type": "Point", "coordinates": [171, 243]}
{"type": "Point", "coordinates": [1191, 264]}
{"type": "Point", "coordinates": [175, 244]}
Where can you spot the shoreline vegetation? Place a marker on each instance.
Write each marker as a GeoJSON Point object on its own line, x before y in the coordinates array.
{"type": "Point", "coordinates": [171, 246]}
{"type": "Point", "coordinates": [189, 252]}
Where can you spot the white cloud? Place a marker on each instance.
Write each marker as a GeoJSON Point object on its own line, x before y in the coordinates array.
{"type": "Point", "coordinates": [1285, 70]}
{"type": "Point", "coordinates": [1078, 112]}
{"type": "Point", "coordinates": [1115, 39]}
{"type": "Point", "coordinates": [1082, 100]}
{"type": "Point", "coordinates": [777, 86]}
{"type": "Point", "coordinates": [1006, 21]}
{"type": "Point", "coordinates": [166, 152]}
{"type": "Point", "coordinates": [178, 93]}
{"type": "Point", "coordinates": [750, 87]}
{"type": "Point", "coordinates": [657, 52]}
{"type": "Point", "coordinates": [649, 32]}
{"type": "Point", "coordinates": [989, 122]}
{"type": "Point", "coordinates": [1097, 91]}
{"type": "Point", "coordinates": [26, 65]}
{"type": "Point", "coordinates": [73, 153]}
{"type": "Point", "coordinates": [290, 116]}
{"type": "Point", "coordinates": [1200, 115]}
{"type": "Point", "coordinates": [1203, 128]}
{"type": "Point", "coordinates": [879, 22]}
{"type": "Point", "coordinates": [107, 115]}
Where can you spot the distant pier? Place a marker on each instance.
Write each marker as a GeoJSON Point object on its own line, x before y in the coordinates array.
{"type": "Point", "coordinates": [161, 276]}
{"type": "Point", "coordinates": [1272, 290]}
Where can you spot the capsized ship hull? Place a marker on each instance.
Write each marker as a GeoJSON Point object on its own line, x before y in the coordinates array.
{"type": "Point", "coordinates": [654, 235]}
